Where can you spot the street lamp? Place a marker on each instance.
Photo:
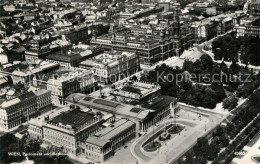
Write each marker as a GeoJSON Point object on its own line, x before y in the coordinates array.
{"type": "Point", "coordinates": [172, 107]}
{"type": "Point", "coordinates": [166, 156]}
{"type": "Point", "coordinates": [205, 126]}
{"type": "Point", "coordinates": [153, 131]}
{"type": "Point", "coordinates": [153, 124]}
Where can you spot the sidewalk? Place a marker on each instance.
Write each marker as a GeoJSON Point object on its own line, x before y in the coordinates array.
{"type": "Point", "coordinates": [145, 158]}
{"type": "Point", "coordinates": [80, 158]}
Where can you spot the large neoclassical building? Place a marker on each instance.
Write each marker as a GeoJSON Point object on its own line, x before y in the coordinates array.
{"type": "Point", "coordinates": [152, 42]}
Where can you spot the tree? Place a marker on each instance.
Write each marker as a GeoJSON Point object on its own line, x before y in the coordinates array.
{"type": "Point", "coordinates": [235, 67]}
{"type": "Point", "coordinates": [207, 62]}
{"type": "Point", "coordinates": [222, 65]}
{"type": "Point", "coordinates": [186, 85]}
{"type": "Point", "coordinates": [244, 57]}
{"type": "Point", "coordinates": [253, 52]}
{"type": "Point", "coordinates": [202, 147]}
{"type": "Point", "coordinates": [52, 159]}
{"type": "Point", "coordinates": [15, 147]}
{"type": "Point", "coordinates": [230, 102]}
{"type": "Point", "coordinates": [220, 93]}
{"type": "Point", "coordinates": [190, 158]}
{"type": "Point", "coordinates": [209, 91]}
{"type": "Point", "coordinates": [187, 65]}
{"type": "Point", "coordinates": [224, 140]}
{"type": "Point", "coordinates": [208, 102]}
{"type": "Point", "coordinates": [134, 78]}
{"type": "Point", "coordinates": [255, 97]}
{"type": "Point", "coordinates": [243, 91]}
{"type": "Point", "coordinates": [172, 91]}
{"type": "Point", "coordinates": [20, 86]}
{"type": "Point", "coordinates": [202, 159]}
{"type": "Point", "coordinates": [213, 151]}
{"type": "Point", "coordinates": [34, 146]}
{"type": "Point", "coordinates": [7, 139]}
{"type": "Point", "coordinates": [229, 127]}
{"type": "Point", "coordinates": [9, 143]}
{"type": "Point", "coordinates": [100, 29]}
{"type": "Point", "coordinates": [219, 131]}
{"type": "Point", "coordinates": [216, 69]}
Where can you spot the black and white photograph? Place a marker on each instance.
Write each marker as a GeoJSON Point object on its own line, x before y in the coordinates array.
{"type": "Point", "coordinates": [129, 81]}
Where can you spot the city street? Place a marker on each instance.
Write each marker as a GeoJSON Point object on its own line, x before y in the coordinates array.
{"type": "Point", "coordinates": [123, 155]}
{"type": "Point", "coordinates": [194, 127]}
{"type": "Point", "coordinates": [129, 82]}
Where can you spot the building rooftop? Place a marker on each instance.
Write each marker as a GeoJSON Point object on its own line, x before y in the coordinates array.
{"type": "Point", "coordinates": [74, 118]}
{"type": "Point", "coordinates": [131, 38]}
{"type": "Point", "coordinates": [108, 58]}
{"type": "Point", "coordinates": [64, 75]}
{"type": "Point", "coordinates": [110, 106]}
{"type": "Point", "coordinates": [65, 56]}
{"type": "Point", "coordinates": [25, 96]}
{"type": "Point", "coordinates": [136, 90]}
{"type": "Point", "coordinates": [39, 92]}
{"type": "Point", "coordinates": [116, 128]}
{"type": "Point", "coordinates": [159, 102]}
{"type": "Point", "coordinates": [107, 134]}
{"type": "Point", "coordinates": [37, 122]}
{"type": "Point", "coordinates": [9, 103]}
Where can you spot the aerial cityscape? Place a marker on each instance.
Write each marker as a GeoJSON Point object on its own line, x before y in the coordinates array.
{"type": "Point", "coordinates": [129, 81]}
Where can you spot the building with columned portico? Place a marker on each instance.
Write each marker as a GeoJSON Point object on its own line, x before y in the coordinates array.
{"type": "Point", "coordinates": [144, 115]}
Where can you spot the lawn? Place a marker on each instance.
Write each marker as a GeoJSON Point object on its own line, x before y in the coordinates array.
{"type": "Point", "coordinates": [152, 146]}
{"type": "Point", "coordinates": [175, 129]}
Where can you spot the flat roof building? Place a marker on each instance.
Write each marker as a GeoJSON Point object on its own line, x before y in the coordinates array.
{"type": "Point", "coordinates": [151, 42]}
{"type": "Point", "coordinates": [68, 81]}
{"type": "Point", "coordinates": [67, 129]}
{"type": "Point", "coordinates": [20, 109]}
{"type": "Point", "coordinates": [143, 117]}
{"type": "Point", "coordinates": [112, 66]}
{"type": "Point", "coordinates": [103, 144]}
{"type": "Point", "coordinates": [135, 92]}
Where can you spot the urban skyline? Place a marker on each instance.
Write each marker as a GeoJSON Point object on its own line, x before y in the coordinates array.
{"type": "Point", "coordinates": [133, 82]}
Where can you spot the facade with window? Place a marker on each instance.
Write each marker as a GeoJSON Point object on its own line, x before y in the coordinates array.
{"type": "Point", "coordinates": [103, 144]}
{"type": "Point", "coordinates": [255, 7]}
{"type": "Point", "coordinates": [70, 81]}
{"type": "Point", "coordinates": [66, 130]}
{"type": "Point", "coordinates": [145, 114]}
{"type": "Point", "coordinates": [112, 66]}
{"type": "Point", "coordinates": [18, 110]}
{"type": "Point", "coordinates": [152, 43]}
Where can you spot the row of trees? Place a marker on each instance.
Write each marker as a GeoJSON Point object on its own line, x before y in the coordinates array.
{"type": "Point", "coordinates": [243, 91]}
{"type": "Point", "coordinates": [230, 48]}
{"type": "Point", "coordinates": [205, 151]}
{"type": "Point", "coordinates": [226, 47]}
{"type": "Point", "coordinates": [185, 83]}
{"type": "Point", "coordinates": [9, 143]}
{"type": "Point", "coordinates": [181, 87]}
{"type": "Point", "coordinates": [181, 82]}
{"type": "Point", "coordinates": [245, 136]}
